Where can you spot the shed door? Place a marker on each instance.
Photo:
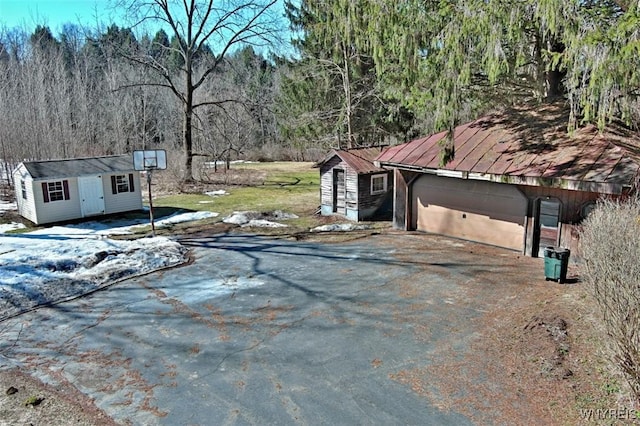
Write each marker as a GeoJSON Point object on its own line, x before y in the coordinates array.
{"type": "Point", "coordinates": [486, 212]}
{"type": "Point", "coordinates": [339, 192]}
{"type": "Point", "coordinates": [547, 223]}
{"type": "Point", "coordinates": [91, 195]}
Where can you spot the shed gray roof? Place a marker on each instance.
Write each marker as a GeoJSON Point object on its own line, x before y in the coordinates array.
{"type": "Point", "coordinates": [55, 169]}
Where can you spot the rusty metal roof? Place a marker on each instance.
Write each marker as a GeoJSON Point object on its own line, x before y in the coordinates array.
{"type": "Point", "coordinates": [359, 159]}
{"type": "Point", "coordinates": [530, 147]}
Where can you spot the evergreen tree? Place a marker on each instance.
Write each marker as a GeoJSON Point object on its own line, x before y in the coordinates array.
{"type": "Point", "coordinates": [442, 56]}
{"type": "Point", "coordinates": [330, 94]}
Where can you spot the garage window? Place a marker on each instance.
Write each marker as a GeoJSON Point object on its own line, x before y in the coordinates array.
{"type": "Point", "coordinates": [23, 189]}
{"type": "Point", "coordinates": [55, 191]}
{"type": "Point", "coordinates": [378, 184]}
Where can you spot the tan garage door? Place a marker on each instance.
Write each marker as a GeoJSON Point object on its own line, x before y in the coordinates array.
{"type": "Point", "coordinates": [487, 212]}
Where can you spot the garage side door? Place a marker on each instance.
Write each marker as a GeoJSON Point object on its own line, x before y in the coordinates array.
{"type": "Point", "coordinates": [485, 212]}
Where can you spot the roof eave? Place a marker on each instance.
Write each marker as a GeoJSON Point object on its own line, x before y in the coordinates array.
{"type": "Point", "coordinates": [612, 188]}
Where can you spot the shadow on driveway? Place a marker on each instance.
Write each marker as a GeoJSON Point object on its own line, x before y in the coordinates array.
{"type": "Point", "coordinates": [264, 331]}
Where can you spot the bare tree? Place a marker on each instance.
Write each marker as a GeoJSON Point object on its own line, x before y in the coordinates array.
{"type": "Point", "coordinates": [204, 32]}
{"type": "Point", "coordinates": [611, 248]}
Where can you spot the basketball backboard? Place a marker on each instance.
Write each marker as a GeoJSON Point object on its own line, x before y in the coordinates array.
{"type": "Point", "coordinates": [155, 159]}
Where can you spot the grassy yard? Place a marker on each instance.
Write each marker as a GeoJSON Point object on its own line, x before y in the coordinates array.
{"type": "Point", "coordinates": [290, 187]}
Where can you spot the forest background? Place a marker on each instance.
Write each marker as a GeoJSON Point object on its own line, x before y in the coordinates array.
{"type": "Point", "coordinates": [227, 79]}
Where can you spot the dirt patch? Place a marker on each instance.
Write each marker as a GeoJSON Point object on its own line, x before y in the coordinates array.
{"type": "Point", "coordinates": [25, 400]}
{"type": "Point", "coordinates": [552, 348]}
{"type": "Point", "coordinates": [536, 356]}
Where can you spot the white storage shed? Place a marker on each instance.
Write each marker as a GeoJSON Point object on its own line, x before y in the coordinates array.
{"type": "Point", "coordinates": [58, 190]}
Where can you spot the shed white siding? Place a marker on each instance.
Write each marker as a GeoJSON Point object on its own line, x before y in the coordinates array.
{"type": "Point", "coordinates": [26, 200]}
{"type": "Point", "coordinates": [56, 211]}
{"type": "Point", "coordinates": [124, 201]}
{"type": "Point", "coordinates": [36, 205]}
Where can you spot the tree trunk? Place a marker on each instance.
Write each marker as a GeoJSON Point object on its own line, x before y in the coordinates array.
{"type": "Point", "coordinates": [187, 143]}
{"type": "Point", "coordinates": [554, 76]}
{"type": "Point", "coordinates": [187, 135]}
{"type": "Point", "coordinates": [346, 84]}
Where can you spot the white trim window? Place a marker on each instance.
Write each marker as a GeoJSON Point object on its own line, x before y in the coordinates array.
{"type": "Point", "coordinates": [55, 191]}
{"type": "Point", "coordinates": [122, 183]}
{"type": "Point", "coordinates": [378, 184]}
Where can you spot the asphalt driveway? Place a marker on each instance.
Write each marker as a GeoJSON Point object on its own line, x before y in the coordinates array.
{"type": "Point", "coordinates": [264, 331]}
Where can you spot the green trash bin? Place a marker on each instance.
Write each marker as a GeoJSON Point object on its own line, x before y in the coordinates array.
{"type": "Point", "coordinates": [556, 262]}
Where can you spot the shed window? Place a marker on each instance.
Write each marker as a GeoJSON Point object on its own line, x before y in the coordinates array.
{"type": "Point", "coordinates": [378, 184]}
{"type": "Point", "coordinates": [55, 191]}
{"type": "Point", "coordinates": [23, 189]}
{"type": "Point", "coordinates": [122, 183]}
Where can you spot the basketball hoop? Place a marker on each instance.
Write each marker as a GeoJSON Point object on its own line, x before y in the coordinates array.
{"type": "Point", "coordinates": [148, 161]}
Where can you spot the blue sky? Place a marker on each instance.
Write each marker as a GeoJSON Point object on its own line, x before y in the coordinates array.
{"type": "Point", "coordinates": [54, 13]}
{"type": "Point", "coordinates": [93, 14]}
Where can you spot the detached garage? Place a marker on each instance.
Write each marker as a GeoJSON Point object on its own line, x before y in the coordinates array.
{"type": "Point", "coordinates": [58, 190]}
{"type": "Point", "coordinates": [519, 180]}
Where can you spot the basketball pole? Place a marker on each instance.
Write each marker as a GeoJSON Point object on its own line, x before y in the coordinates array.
{"type": "Point", "coordinates": [148, 161]}
{"type": "Point", "coordinates": [153, 226]}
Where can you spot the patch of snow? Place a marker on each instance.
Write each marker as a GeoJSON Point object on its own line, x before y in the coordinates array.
{"type": "Point", "coordinates": [280, 215]}
{"type": "Point", "coordinates": [237, 218]}
{"type": "Point", "coordinates": [7, 206]}
{"type": "Point", "coordinates": [339, 227]}
{"type": "Point", "coordinates": [120, 227]}
{"type": "Point", "coordinates": [185, 217]}
{"type": "Point", "coordinates": [57, 263]}
{"type": "Point", "coordinates": [37, 269]}
{"type": "Point", "coordinates": [4, 227]}
{"type": "Point", "coordinates": [216, 193]}
{"type": "Point", "coordinates": [261, 223]}
{"type": "Point", "coordinates": [193, 292]}
{"type": "Point", "coordinates": [249, 218]}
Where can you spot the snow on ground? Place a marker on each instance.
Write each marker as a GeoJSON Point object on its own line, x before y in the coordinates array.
{"type": "Point", "coordinates": [4, 207]}
{"type": "Point", "coordinates": [256, 219]}
{"type": "Point", "coordinates": [216, 193]}
{"type": "Point", "coordinates": [58, 263]}
{"type": "Point", "coordinates": [5, 227]}
{"type": "Point", "coordinates": [339, 227]}
{"type": "Point", "coordinates": [122, 226]}
{"type": "Point", "coordinates": [61, 262]}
